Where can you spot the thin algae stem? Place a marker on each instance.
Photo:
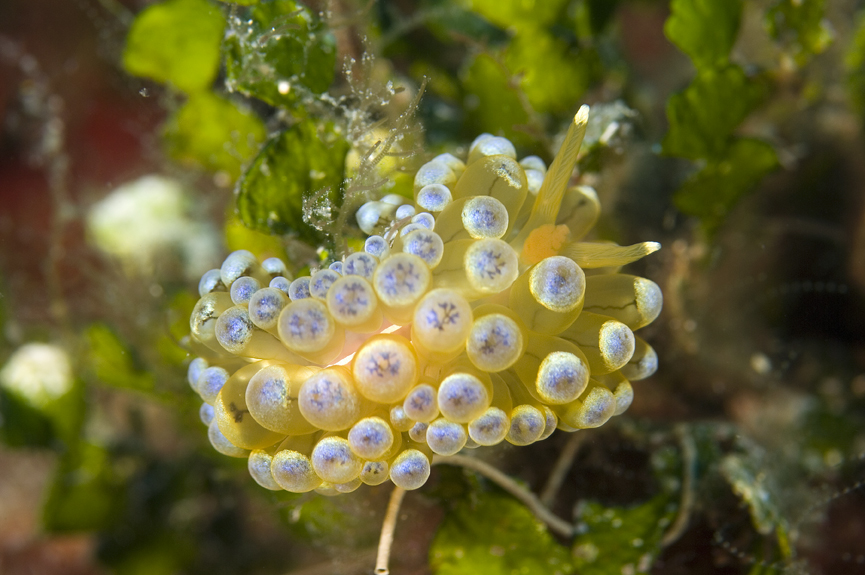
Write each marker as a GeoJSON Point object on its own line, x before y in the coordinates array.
{"type": "Point", "coordinates": [529, 499]}
{"type": "Point", "coordinates": [561, 468]}
{"type": "Point", "coordinates": [387, 530]}
{"type": "Point", "coordinates": [689, 462]}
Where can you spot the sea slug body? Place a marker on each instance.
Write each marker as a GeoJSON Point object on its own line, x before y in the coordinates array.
{"type": "Point", "coordinates": [479, 315]}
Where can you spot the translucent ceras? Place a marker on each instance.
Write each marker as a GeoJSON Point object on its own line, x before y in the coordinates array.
{"type": "Point", "coordinates": [474, 315]}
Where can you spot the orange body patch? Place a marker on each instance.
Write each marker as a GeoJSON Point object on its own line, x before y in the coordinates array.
{"type": "Point", "coordinates": [544, 242]}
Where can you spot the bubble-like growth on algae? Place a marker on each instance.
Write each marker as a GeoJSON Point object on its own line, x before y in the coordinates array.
{"type": "Point", "coordinates": [479, 316]}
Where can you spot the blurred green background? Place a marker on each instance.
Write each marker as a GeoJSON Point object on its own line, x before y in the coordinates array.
{"type": "Point", "coordinates": [730, 131]}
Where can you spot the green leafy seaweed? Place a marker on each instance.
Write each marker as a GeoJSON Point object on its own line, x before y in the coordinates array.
{"type": "Point", "coordinates": [704, 116]}
{"type": "Point", "coordinates": [495, 105]}
{"type": "Point", "coordinates": [800, 24]}
{"type": "Point", "coordinates": [750, 485]}
{"type": "Point", "coordinates": [307, 158]}
{"type": "Point", "coordinates": [614, 540]}
{"type": "Point", "coordinates": [56, 423]}
{"type": "Point", "coordinates": [705, 30]}
{"type": "Point", "coordinates": [447, 20]}
{"type": "Point", "coordinates": [85, 494]}
{"type": "Point", "coordinates": [23, 425]}
{"type": "Point", "coordinates": [762, 483]}
{"type": "Point", "coordinates": [553, 74]}
{"type": "Point", "coordinates": [279, 51]}
{"type": "Point", "coordinates": [854, 63]}
{"type": "Point", "coordinates": [239, 237]}
{"type": "Point", "coordinates": [329, 519]}
{"type": "Point", "coordinates": [494, 534]}
{"type": "Point", "coordinates": [176, 42]}
{"type": "Point", "coordinates": [213, 133]}
{"type": "Point", "coordinates": [111, 362]}
{"type": "Point", "coordinates": [519, 13]}
{"type": "Point", "coordinates": [178, 311]}
{"type": "Point", "coordinates": [712, 191]}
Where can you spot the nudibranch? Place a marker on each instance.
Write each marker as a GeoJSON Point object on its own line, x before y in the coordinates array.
{"type": "Point", "coordinates": [474, 315]}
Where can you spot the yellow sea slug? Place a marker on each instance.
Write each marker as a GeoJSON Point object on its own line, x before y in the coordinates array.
{"type": "Point", "coordinates": [468, 320]}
